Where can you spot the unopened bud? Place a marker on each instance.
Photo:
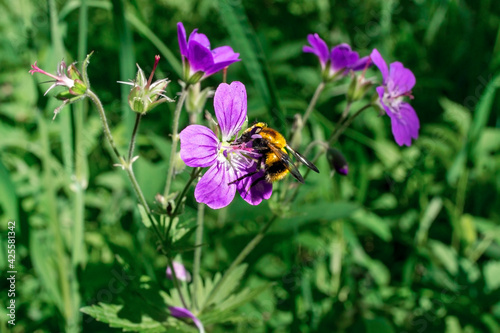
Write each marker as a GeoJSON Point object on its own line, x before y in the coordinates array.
{"type": "Point", "coordinates": [358, 87]}
{"type": "Point", "coordinates": [196, 98]}
{"type": "Point", "coordinates": [337, 161]}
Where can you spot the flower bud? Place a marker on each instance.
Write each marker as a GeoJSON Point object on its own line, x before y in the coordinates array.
{"type": "Point", "coordinates": [196, 98]}
{"type": "Point", "coordinates": [180, 272]}
{"type": "Point", "coordinates": [145, 95]}
{"type": "Point", "coordinates": [337, 161]}
{"type": "Point", "coordinates": [358, 87]}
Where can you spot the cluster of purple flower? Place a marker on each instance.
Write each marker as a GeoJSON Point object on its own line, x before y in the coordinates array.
{"type": "Point", "coordinates": [397, 83]}
{"type": "Point", "coordinates": [200, 146]}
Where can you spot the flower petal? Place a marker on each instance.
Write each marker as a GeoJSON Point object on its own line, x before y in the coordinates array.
{"type": "Point", "coordinates": [200, 38]}
{"type": "Point", "coordinates": [255, 188]}
{"type": "Point", "coordinates": [217, 67]}
{"type": "Point", "coordinates": [318, 48]}
{"type": "Point", "coordinates": [381, 91]}
{"type": "Point", "coordinates": [361, 64]}
{"type": "Point", "coordinates": [181, 272]}
{"type": "Point", "coordinates": [200, 58]}
{"type": "Point", "coordinates": [181, 36]}
{"type": "Point", "coordinates": [198, 146]}
{"type": "Point", "coordinates": [405, 124]}
{"type": "Point", "coordinates": [402, 78]}
{"type": "Point", "coordinates": [214, 189]}
{"type": "Point", "coordinates": [230, 104]}
{"type": "Point", "coordinates": [224, 53]}
{"type": "Point", "coordinates": [342, 57]}
{"type": "Point", "coordinates": [184, 313]}
{"type": "Point", "coordinates": [380, 63]}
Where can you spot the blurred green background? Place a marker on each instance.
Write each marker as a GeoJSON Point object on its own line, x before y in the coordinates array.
{"type": "Point", "coordinates": [409, 241]}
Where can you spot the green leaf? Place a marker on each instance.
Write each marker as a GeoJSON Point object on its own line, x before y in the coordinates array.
{"type": "Point", "coordinates": [156, 41]}
{"type": "Point", "coordinates": [430, 214]}
{"type": "Point", "coordinates": [8, 205]}
{"type": "Point", "coordinates": [109, 314]}
{"type": "Point", "coordinates": [479, 122]}
{"type": "Point", "coordinates": [453, 325]}
{"type": "Point", "coordinates": [245, 41]}
{"type": "Point", "coordinates": [42, 258]}
{"type": "Point", "coordinates": [491, 272]}
{"type": "Point", "coordinates": [446, 256]}
{"type": "Point", "coordinates": [225, 311]}
{"type": "Point", "coordinates": [374, 223]}
{"type": "Point", "coordinates": [322, 211]}
{"type": "Point", "coordinates": [378, 325]}
{"type": "Point", "coordinates": [232, 282]}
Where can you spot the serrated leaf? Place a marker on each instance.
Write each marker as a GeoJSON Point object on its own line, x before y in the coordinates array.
{"type": "Point", "coordinates": [225, 311]}
{"type": "Point", "coordinates": [457, 114]}
{"type": "Point", "coordinates": [231, 282]}
{"type": "Point", "coordinates": [109, 314]}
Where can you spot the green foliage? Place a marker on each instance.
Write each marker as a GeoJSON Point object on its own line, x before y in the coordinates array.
{"type": "Point", "coordinates": [408, 241]}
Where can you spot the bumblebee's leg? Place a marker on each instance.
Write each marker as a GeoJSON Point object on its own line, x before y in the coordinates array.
{"type": "Point", "coordinates": [243, 177]}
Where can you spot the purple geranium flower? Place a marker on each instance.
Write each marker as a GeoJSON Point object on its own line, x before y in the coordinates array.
{"type": "Point", "coordinates": [200, 147]}
{"type": "Point", "coordinates": [178, 312]}
{"type": "Point", "coordinates": [397, 83]}
{"type": "Point", "coordinates": [337, 62]}
{"type": "Point", "coordinates": [198, 60]}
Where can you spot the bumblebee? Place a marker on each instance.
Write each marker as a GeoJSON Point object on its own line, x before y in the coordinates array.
{"type": "Point", "coordinates": [274, 151]}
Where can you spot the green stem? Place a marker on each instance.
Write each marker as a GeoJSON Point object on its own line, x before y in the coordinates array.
{"type": "Point", "coordinates": [197, 253]}
{"type": "Point", "coordinates": [313, 102]}
{"type": "Point", "coordinates": [176, 282]}
{"type": "Point", "coordinates": [81, 164]}
{"type": "Point", "coordinates": [175, 139]}
{"type": "Point", "coordinates": [194, 174]}
{"type": "Point", "coordinates": [309, 110]}
{"type": "Point", "coordinates": [132, 140]}
{"type": "Point", "coordinates": [97, 102]}
{"type": "Point", "coordinates": [239, 259]}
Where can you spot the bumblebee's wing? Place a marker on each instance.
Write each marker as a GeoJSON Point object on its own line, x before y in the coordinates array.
{"type": "Point", "coordinates": [285, 159]}
{"type": "Point", "coordinates": [302, 159]}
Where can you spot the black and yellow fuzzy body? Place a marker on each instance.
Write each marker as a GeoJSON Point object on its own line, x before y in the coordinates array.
{"type": "Point", "coordinates": [274, 149]}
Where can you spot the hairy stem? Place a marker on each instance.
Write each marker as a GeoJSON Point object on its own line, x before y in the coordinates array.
{"type": "Point", "coordinates": [175, 139]}
{"type": "Point", "coordinates": [309, 110]}
{"type": "Point", "coordinates": [134, 134]}
{"type": "Point", "coordinates": [197, 252]}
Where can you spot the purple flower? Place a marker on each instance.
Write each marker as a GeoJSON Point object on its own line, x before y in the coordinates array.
{"type": "Point", "coordinates": [200, 147]}
{"type": "Point", "coordinates": [198, 60]}
{"type": "Point", "coordinates": [397, 83]}
{"type": "Point", "coordinates": [337, 62]}
{"type": "Point", "coordinates": [180, 272]}
{"type": "Point", "coordinates": [178, 312]}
